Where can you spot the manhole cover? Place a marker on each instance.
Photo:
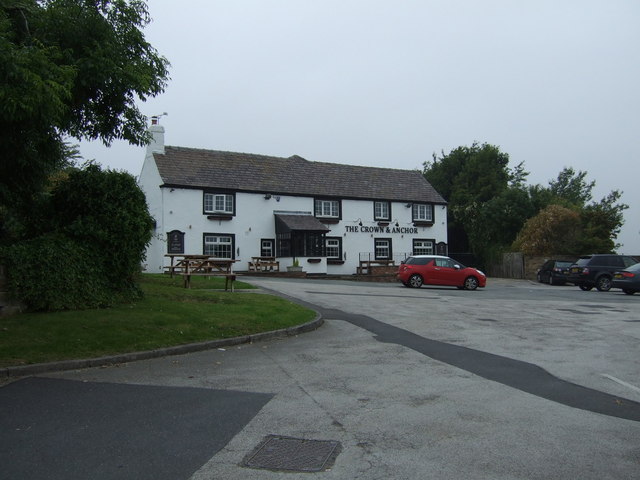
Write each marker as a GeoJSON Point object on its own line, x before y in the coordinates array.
{"type": "Point", "coordinates": [276, 452]}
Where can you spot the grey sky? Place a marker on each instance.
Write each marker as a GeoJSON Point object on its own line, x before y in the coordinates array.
{"type": "Point", "coordinates": [388, 83]}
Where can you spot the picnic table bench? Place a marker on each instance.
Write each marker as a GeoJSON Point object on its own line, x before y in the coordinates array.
{"type": "Point", "coordinates": [201, 265]}
{"type": "Point", "coordinates": [264, 264]}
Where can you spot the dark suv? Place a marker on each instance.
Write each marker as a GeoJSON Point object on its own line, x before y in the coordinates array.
{"type": "Point", "coordinates": [597, 270]}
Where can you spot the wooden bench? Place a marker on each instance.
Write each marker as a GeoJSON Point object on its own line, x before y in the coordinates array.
{"type": "Point", "coordinates": [264, 264]}
{"type": "Point", "coordinates": [229, 278]}
{"type": "Point", "coordinates": [202, 266]}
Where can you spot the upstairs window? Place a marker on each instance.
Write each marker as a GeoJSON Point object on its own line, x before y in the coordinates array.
{"type": "Point", "coordinates": [382, 211]}
{"type": "Point", "coordinates": [327, 208]}
{"type": "Point", "coordinates": [218, 203]}
{"type": "Point", "coordinates": [423, 212]}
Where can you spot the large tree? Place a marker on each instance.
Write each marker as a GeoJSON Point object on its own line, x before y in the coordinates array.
{"type": "Point", "coordinates": [68, 68]}
{"type": "Point", "coordinates": [487, 200]}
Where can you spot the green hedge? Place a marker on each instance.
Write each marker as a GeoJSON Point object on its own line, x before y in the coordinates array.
{"type": "Point", "coordinates": [92, 231]}
{"type": "Point", "coordinates": [53, 272]}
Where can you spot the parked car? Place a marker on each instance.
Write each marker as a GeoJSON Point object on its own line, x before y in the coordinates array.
{"type": "Point", "coordinates": [419, 270]}
{"type": "Point", "coordinates": [597, 270]}
{"type": "Point", "coordinates": [628, 279]}
{"type": "Point", "coordinates": [554, 272]}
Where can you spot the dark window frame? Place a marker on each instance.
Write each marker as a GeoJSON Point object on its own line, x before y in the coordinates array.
{"type": "Point", "coordinates": [336, 259]}
{"type": "Point", "coordinates": [421, 221]}
{"type": "Point", "coordinates": [433, 246]}
{"type": "Point", "coordinates": [217, 234]}
{"type": "Point", "coordinates": [215, 213]}
{"type": "Point", "coordinates": [327, 218]}
{"type": "Point", "coordinates": [390, 246]}
{"type": "Point", "coordinates": [273, 247]}
{"type": "Point", "coordinates": [381, 218]}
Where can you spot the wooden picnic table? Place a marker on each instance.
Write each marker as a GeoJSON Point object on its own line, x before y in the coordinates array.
{"type": "Point", "coordinates": [264, 264]}
{"type": "Point", "coordinates": [202, 265]}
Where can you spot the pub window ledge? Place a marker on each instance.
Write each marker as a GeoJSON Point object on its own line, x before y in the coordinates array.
{"type": "Point", "coordinates": [383, 223]}
{"type": "Point", "coordinates": [418, 223]}
{"type": "Point", "coordinates": [219, 217]}
{"type": "Point", "coordinates": [328, 220]}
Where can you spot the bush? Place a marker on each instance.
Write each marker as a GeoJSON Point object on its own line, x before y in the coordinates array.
{"type": "Point", "coordinates": [53, 272]}
{"type": "Point", "coordinates": [107, 212]}
{"type": "Point", "coordinates": [93, 229]}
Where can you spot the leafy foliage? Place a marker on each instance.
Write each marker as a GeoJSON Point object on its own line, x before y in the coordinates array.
{"type": "Point", "coordinates": [107, 211]}
{"type": "Point", "coordinates": [74, 275]}
{"type": "Point", "coordinates": [68, 67]}
{"type": "Point", "coordinates": [487, 202]}
{"type": "Point", "coordinates": [491, 209]}
{"type": "Point", "coordinates": [97, 228]}
{"type": "Point", "coordinates": [555, 230]}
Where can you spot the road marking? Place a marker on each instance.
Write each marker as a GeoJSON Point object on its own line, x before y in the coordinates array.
{"type": "Point", "coordinates": [621, 382]}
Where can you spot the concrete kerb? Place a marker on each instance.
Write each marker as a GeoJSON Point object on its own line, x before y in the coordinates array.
{"type": "Point", "coordinates": [38, 368]}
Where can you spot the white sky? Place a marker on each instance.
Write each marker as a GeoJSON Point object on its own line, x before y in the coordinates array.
{"type": "Point", "coordinates": [388, 83]}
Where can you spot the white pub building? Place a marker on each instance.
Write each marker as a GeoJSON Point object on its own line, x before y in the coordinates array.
{"type": "Point", "coordinates": [328, 217]}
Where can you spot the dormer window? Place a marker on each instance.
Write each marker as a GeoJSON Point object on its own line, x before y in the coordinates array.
{"type": "Point", "coordinates": [216, 203]}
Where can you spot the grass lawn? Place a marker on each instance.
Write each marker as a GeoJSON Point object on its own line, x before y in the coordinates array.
{"type": "Point", "coordinates": [168, 315]}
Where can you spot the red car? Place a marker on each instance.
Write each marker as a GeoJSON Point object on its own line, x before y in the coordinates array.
{"type": "Point", "coordinates": [438, 270]}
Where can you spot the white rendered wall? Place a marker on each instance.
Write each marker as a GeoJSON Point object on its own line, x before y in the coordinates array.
{"type": "Point", "coordinates": [254, 221]}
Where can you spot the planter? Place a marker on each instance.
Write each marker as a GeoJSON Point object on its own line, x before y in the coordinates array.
{"type": "Point", "coordinates": [292, 268]}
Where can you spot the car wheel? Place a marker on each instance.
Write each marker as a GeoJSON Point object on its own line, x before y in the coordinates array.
{"type": "Point", "coordinates": [603, 284]}
{"type": "Point", "coordinates": [586, 288]}
{"type": "Point", "coordinates": [471, 283]}
{"type": "Point", "coordinates": [415, 281]}
{"type": "Point", "coordinates": [551, 282]}
{"type": "Point", "coordinates": [629, 292]}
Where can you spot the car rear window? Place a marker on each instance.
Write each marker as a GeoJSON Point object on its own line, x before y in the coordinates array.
{"type": "Point", "coordinates": [634, 268]}
{"type": "Point", "coordinates": [583, 261]}
{"type": "Point", "coordinates": [563, 264]}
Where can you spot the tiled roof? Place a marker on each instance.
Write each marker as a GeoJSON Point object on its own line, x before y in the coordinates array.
{"type": "Point", "coordinates": [287, 223]}
{"type": "Point", "coordinates": [196, 168]}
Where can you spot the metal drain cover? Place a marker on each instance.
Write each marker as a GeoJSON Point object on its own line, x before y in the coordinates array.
{"type": "Point", "coordinates": [290, 454]}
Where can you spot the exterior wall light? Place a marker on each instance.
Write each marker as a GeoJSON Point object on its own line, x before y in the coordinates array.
{"type": "Point", "coordinates": [267, 196]}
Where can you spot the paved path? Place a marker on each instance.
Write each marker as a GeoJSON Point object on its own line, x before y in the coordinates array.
{"type": "Point", "coordinates": [397, 411]}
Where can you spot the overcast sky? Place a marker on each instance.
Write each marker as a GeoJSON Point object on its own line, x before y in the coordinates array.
{"type": "Point", "coordinates": [553, 83]}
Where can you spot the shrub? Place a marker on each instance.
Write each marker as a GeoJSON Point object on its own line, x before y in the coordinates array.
{"type": "Point", "coordinates": [93, 230]}
{"type": "Point", "coordinates": [53, 272]}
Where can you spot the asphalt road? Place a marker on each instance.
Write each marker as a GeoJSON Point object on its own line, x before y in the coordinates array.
{"type": "Point", "coordinates": [515, 381]}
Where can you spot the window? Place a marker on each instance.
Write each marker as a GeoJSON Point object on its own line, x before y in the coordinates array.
{"type": "Point", "coordinates": [445, 262]}
{"type": "Point", "coordinates": [327, 208]}
{"type": "Point", "coordinates": [301, 244]}
{"type": "Point", "coordinates": [422, 212]}
{"type": "Point", "coordinates": [383, 248]}
{"type": "Point", "coordinates": [266, 247]}
{"type": "Point", "coordinates": [218, 203]}
{"type": "Point", "coordinates": [218, 245]}
{"type": "Point", "coordinates": [334, 248]}
{"type": "Point", "coordinates": [381, 211]}
{"type": "Point", "coordinates": [422, 247]}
